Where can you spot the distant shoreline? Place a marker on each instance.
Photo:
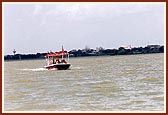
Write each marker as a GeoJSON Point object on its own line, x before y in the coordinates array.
{"type": "Point", "coordinates": [79, 57]}
{"type": "Point", "coordinates": [149, 49]}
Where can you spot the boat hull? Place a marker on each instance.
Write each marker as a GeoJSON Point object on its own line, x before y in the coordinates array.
{"type": "Point", "coordinates": [58, 66]}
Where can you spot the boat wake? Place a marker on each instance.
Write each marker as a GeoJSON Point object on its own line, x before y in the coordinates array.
{"type": "Point", "coordinates": [35, 69]}
{"type": "Point", "coordinates": [44, 69]}
{"type": "Point", "coordinates": [76, 68]}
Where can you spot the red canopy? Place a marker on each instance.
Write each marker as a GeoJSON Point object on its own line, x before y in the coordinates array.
{"type": "Point", "coordinates": [57, 54]}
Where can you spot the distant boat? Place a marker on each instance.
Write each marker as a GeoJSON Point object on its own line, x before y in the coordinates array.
{"type": "Point", "coordinates": [56, 60]}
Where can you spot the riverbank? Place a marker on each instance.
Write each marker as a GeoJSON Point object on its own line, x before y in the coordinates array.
{"type": "Point", "coordinates": [92, 52]}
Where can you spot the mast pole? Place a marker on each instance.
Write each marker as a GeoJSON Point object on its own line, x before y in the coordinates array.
{"type": "Point", "coordinates": [68, 58]}
{"type": "Point", "coordinates": [62, 51]}
{"type": "Point", "coordinates": [48, 60]}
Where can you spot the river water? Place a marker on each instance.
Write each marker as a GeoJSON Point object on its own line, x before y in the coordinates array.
{"type": "Point", "coordinates": [103, 83]}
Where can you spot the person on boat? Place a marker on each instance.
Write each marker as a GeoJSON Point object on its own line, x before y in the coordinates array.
{"type": "Point", "coordinates": [63, 61]}
{"type": "Point", "coordinates": [58, 61]}
{"type": "Point", "coordinates": [51, 61]}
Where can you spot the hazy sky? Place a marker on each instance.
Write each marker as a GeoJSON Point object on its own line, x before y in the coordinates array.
{"type": "Point", "coordinates": [32, 28]}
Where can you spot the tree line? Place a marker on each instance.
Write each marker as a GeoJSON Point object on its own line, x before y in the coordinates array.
{"type": "Point", "coordinates": [94, 52]}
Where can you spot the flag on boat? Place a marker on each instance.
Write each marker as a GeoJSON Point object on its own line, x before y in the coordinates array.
{"type": "Point", "coordinates": [62, 49]}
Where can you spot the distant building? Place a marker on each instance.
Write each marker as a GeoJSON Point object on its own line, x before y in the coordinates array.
{"type": "Point", "coordinates": [99, 49]}
{"type": "Point", "coordinates": [127, 47]}
{"type": "Point", "coordinates": [153, 46]}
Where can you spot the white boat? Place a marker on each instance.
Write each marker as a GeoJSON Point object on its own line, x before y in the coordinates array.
{"type": "Point", "coordinates": [56, 60]}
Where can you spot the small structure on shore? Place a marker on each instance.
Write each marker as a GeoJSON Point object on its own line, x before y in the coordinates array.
{"type": "Point", "coordinates": [14, 52]}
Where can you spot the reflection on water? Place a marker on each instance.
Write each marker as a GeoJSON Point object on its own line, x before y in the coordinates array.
{"type": "Point", "coordinates": [105, 83]}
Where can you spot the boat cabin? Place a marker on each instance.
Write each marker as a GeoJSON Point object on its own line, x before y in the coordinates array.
{"type": "Point", "coordinates": [57, 60]}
